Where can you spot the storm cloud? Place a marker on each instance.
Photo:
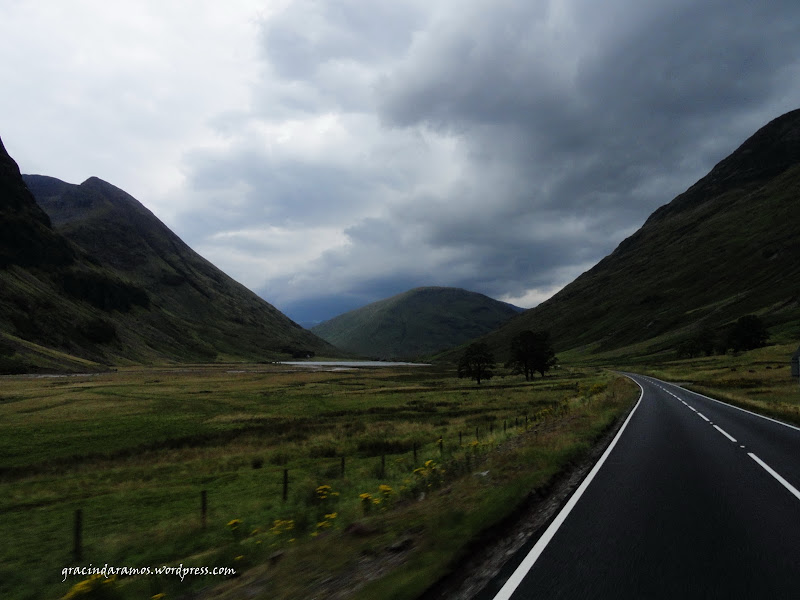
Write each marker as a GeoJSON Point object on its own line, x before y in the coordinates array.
{"type": "Point", "coordinates": [500, 146]}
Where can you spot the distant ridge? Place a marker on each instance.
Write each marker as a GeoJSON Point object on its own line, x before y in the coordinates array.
{"type": "Point", "coordinates": [419, 322]}
{"type": "Point", "coordinates": [728, 246]}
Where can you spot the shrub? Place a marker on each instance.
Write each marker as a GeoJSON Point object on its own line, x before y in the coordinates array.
{"type": "Point", "coordinates": [102, 291]}
{"type": "Point", "coordinates": [98, 331]}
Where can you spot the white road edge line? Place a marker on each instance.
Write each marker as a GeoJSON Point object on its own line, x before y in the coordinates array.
{"type": "Point", "coordinates": [725, 433]}
{"type": "Point", "coordinates": [780, 479]}
{"type": "Point", "coordinates": [527, 563]}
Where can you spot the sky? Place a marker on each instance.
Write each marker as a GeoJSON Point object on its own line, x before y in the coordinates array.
{"type": "Point", "coordinates": [328, 154]}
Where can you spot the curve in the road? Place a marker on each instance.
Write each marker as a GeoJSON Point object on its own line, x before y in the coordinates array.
{"type": "Point", "coordinates": [685, 502]}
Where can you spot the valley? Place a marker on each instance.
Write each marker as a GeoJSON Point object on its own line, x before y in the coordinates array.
{"type": "Point", "coordinates": [404, 465]}
{"type": "Point", "coordinates": [186, 436]}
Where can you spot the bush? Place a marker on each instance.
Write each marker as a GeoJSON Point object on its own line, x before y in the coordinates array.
{"type": "Point", "coordinates": [377, 446]}
{"type": "Point", "coordinates": [12, 366]}
{"type": "Point", "coordinates": [98, 331]}
{"type": "Point", "coordinates": [103, 292]}
{"type": "Point", "coordinates": [748, 333]}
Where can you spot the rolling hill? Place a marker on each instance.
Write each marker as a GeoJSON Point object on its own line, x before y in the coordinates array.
{"type": "Point", "coordinates": [416, 323]}
{"type": "Point", "coordinates": [100, 280]}
{"type": "Point", "coordinates": [727, 247]}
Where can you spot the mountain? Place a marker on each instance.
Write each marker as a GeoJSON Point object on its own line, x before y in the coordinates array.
{"type": "Point", "coordinates": [26, 236]}
{"type": "Point", "coordinates": [416, 323]}
{"type": "Point", "coordinates": [177, 305]}
{"type": "Point", "coordinates": [101, 281]}
{"type": "Point", "coordinates": [727, 247]}
{"type": "Point", "coordinates": [36, 316]}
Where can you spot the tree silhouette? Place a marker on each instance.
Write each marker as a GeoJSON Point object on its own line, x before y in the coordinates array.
{"type": "Point", "coordinates": [476, 362]}
{"type": "Point", "coordinates": [532, 351]}
{"type": "Point", "coordinates": [748, 333]}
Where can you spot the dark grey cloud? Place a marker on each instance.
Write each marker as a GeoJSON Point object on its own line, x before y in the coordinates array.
{"type": "Point", "coordinates": [328, 154]}
{"type": "Point", "coordinates": [280, 192]}
{"type": "Point", "coordinates": [309, 35]}
{"type": "Point", "coordinates": [500, 146]}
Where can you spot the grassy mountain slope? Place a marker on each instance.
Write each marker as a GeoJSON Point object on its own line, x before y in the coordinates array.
{"type": "Point", "coordinates": [182, 307]}
{"type": "Point", "coordinates": [40, 324]}
{"type": "Point", "coordinates": [726, 247]}
{"type": "Point", "coordinates": [419, 322]}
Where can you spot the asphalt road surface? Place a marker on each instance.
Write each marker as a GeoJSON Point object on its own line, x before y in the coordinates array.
{"type": "Point", "coordinates": [693, 499]}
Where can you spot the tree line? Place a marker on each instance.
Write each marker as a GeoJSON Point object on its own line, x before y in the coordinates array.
{"type": "Point", "coordinates": [749, 332]}
{"type": "Point", "coordinates": [531, 352]}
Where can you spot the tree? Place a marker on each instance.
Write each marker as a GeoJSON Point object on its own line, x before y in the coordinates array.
{"type": "Point", "coordinates": [704, 342]}
{"type": "Point", "coordinates": [748, 333]}
{"type": "Point", "coordinates": [532, 351]}
{"type": "Point", "coordinates": [476, 362]}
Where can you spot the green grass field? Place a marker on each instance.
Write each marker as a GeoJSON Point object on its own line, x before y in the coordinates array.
{"type": "Point", "coordinates": [134, 449]}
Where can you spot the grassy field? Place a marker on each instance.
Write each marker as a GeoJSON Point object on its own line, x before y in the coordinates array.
{"type": "Point", "coordinates": [759, 380]}
{"type": "Point", "coordinates": [391, 473]}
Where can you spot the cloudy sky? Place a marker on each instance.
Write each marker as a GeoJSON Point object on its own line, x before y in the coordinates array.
{"type": "Point", "coordinates": [332, 153]}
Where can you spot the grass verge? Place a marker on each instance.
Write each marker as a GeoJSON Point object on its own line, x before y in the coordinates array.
{"type": "Point", "coordinates": [429, 462]}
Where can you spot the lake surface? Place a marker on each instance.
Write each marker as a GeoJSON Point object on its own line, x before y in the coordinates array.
{"type": "Point", "coordinates": [350, 364]}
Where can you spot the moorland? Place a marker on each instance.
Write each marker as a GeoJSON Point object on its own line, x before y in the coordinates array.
{"type": "Point", "coordinates": [391, 473]}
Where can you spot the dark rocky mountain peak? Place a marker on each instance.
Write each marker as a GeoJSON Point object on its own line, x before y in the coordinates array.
{"type": "Point", "coordinates": [26, 236]}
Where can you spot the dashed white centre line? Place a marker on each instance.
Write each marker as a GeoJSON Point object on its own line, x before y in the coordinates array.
{"type": "Point", "coordinates": [780, 479]}
{"type": "Point", "coordinates": [725, 433]}
{"type": "Point", "coordinates": [793, 490]}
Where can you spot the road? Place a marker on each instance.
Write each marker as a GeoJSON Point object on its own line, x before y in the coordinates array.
{"type": "Point", "coordinates": [693, 499]}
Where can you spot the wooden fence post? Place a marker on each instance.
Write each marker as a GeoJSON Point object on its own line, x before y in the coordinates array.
{"type": "Point", "coordinates": [77, 537]}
